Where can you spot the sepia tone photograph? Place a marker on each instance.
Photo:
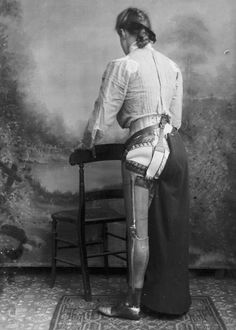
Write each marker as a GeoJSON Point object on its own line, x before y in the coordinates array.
{"type": "Point", "coordinates": [117, 164]}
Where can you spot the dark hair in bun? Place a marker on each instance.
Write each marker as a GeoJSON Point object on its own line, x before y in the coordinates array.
{"type": "Point", "coordinates": [137, 23]}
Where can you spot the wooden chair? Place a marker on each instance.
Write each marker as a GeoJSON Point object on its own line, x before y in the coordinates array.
{"type": "Point", "coordinates": [85, 216]}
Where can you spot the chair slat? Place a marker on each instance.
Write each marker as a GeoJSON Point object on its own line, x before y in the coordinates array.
{"type": "Point", "coordinates": [72, 243]}
{"type": "Point", "coordinates": [103, 152]}
{"type": "Point", "coordinates": [116, 236]}
{"type": "Point", "coordinates": [66, 261]}
{"type": "Point", "coordinates": [95, 214]}
{"type": "Point", "coordinates": [95, 255]}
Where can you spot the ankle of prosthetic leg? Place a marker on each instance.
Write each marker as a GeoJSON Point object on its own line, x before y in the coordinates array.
{"type": "Point", "coordinates": [134, 297]}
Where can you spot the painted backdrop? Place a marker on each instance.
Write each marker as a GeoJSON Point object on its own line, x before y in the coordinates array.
{"type": "Point", "coordinates": [52, 56]}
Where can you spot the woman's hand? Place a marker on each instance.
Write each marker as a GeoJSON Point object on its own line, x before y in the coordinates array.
{"type": "Point", "coordinates": [82, 146]}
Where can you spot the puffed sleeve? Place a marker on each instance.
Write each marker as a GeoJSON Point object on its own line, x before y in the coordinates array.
{"type": "Point", "coordinates": [176, 102]}
{"type": "Point", "coordinates": [111, 97]}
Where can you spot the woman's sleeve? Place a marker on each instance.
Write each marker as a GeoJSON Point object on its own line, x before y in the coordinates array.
{"type": "Point", "coordinates": [176, 102]}
{"type": "Point", "coordinates": [111, 97]}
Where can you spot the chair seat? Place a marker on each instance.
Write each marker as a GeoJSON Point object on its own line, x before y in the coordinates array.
{"type": "Point", "coordinates": [93, 215]}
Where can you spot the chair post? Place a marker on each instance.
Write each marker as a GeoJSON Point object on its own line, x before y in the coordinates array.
{"type": "Point", "coordinates": [105, 247]}
{"type": "Point", "coordinates": [81, 235]}
{"type": "Point", "coordinates": [127, 256]}
{"type": "Point", "coordinates": [54, 251]}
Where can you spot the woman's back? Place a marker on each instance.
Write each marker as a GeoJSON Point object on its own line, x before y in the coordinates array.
{"type": "Point", "coordinates": [153, 79]}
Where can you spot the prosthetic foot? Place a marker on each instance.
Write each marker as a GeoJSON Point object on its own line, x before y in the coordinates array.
{"type": "Point", "coordinates": [130, 309]}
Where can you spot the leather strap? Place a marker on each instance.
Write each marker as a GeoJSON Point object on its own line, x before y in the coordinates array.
{"type": "Point", "coordinates": [144, 122]}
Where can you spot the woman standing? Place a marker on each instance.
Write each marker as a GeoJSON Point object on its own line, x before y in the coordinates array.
{"type": "Point", "coordinates": [143, 90]}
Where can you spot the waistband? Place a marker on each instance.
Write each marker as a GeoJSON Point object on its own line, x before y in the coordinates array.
{"type": "Point", "coordinates": [144, 122]}
{"type": "Point", "coordinates": [142, 133]}
{"type": "Point", "coordinates": [149, 131]}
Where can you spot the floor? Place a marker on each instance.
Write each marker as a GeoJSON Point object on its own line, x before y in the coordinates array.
{"type": "Point", "coordinates": [27, 302]}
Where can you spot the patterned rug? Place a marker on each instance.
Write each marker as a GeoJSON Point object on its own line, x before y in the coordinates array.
{"type": "Point", "coordinates": [74, 313]}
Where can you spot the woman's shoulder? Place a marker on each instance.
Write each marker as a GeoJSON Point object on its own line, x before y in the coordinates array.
{"type": "Point", "coordinates": [124, 63]}
{"type": "Point", "coordinates": [165, 59]}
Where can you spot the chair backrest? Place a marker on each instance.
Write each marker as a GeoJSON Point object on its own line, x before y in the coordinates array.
{"type": "Point", "coordinates": [103, 152]}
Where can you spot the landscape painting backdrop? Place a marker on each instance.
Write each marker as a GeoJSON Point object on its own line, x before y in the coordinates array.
{"type": "Point", "coordinates": [52, 56]}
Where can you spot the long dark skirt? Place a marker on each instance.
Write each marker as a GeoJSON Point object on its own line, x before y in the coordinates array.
{"type": "Point", "coordinates": [166, 287]}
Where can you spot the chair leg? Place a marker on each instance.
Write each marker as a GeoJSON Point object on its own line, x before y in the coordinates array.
{"type": "Point", "coordinates": [54, 252]}
{"type": "Point", "coordinates": [127, 257]}
{"type": "Point", "coordinates": [84, 267]}
{"type": "Point", "coordinates": [105, 247]}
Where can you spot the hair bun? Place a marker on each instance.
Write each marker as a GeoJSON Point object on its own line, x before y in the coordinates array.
{"type": "Point", "coordinates": [137, 23]}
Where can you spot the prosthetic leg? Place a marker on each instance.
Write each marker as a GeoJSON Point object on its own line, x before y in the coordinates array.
{"type": "Point", "coordinates": [138, 251]}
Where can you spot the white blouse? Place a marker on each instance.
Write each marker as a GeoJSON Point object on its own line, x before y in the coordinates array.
{"type": "Point", "coordinates": [143, 83]}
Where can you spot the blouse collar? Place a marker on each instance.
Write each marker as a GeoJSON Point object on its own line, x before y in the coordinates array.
{"type": "Point", "coordinates": [134, 46]}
